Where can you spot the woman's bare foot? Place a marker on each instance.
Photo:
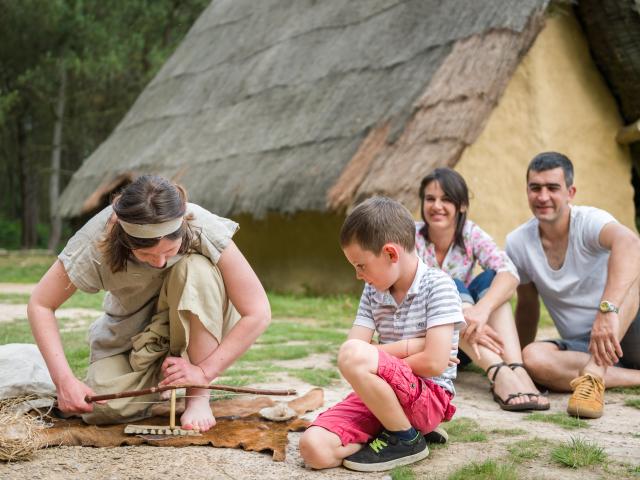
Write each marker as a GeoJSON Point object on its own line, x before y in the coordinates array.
{"type": "Point", "coordinates": [529, 386]}
{"type": "Point", "coordinates": [197, 415]}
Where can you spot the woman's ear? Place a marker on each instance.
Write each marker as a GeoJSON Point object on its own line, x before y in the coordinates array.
{"type": "Point", "coordinates": [463, 208]}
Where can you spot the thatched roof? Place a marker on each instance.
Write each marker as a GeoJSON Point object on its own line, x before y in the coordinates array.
{"type": "Point", "coordinates": [311, 105]}
{"type": "Point", "coordinates": [613, 31]}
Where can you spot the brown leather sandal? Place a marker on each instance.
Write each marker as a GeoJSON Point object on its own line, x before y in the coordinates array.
{"type": "Point", "coordinates": [504, 403]}
{"type": "Point", "coordinates": [538, 406]}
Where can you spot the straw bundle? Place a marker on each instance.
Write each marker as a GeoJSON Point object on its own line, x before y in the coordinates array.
{"type": "Point", "coordinates": [19, 438]}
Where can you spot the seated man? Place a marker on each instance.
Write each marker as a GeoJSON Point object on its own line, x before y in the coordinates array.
{"type": "Point", "coordinates": [585, 266]}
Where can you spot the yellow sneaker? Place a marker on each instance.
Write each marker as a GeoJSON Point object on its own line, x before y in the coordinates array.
{"type": "Point", "coordinates": [587, 399]}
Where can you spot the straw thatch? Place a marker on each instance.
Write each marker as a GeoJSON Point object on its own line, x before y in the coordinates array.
{"type": "Point", "coordinates": [613, 30]}
{"type": "Point", "coordinates": [301, 105]}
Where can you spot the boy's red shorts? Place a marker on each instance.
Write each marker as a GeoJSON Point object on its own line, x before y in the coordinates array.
{"type": "Point", "coordinates": [425, 404]}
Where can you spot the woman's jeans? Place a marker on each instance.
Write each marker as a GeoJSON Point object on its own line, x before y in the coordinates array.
{"type": "Point", "coordinates": [472, 294]}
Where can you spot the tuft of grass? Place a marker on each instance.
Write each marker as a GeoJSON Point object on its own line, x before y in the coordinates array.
{"type": "Point", "coordinates": [578, 453]}
{"type": "Point", "coordinates": [562, 419]}
{"type": "Point", "coordinates": [528, 449]}
{"type": "Point", "coordinates": [465, 430]}
{"type": "Point", "coordinates": [632, 402]}
{"type": "Point", "coordinates": [320, 377]}
{"type": "Point", "coordinates": [402, 473]}
{"type": "Point", "coordinates": [488, 470]}
{"type": "Point", "coordinates": [509, 432]}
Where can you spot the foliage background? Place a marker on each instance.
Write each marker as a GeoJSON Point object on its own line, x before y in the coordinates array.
{"type": "Point", "coordinates": [95, 55]}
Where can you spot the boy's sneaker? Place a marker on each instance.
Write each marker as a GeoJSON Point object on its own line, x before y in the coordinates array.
{"type": "Point", "coordinates": [438, 435]}
{"type": "Point", "coordinates": [387, 451]}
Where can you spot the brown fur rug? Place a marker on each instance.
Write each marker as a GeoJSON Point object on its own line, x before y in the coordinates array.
{"type": "Point", "coordinates": [238, 426]}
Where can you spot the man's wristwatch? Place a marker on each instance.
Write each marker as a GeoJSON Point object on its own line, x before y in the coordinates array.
{"type": "Point", "coordinates": [606, 306]}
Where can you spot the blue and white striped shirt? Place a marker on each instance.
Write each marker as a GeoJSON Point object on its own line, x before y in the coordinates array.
{"type": "Point", "coordinates": [432, 300]}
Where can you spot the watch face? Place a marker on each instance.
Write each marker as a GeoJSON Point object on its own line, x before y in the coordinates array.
{"type": "Point", "coordinates": [606, 306]}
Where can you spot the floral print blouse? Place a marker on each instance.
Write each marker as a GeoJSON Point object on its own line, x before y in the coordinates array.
{"type": "Point", "coordinates": [459, 263]}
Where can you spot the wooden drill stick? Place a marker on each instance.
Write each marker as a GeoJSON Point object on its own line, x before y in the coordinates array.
{"type": "Point", "coordinates": [226, 388]}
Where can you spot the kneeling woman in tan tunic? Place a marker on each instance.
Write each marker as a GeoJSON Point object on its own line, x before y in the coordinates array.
{"type": "Point", "coordinates": [182, 303]}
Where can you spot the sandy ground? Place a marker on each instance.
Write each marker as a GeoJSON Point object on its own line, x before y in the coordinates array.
{"type": "Point", "coordinates": [615, 431]}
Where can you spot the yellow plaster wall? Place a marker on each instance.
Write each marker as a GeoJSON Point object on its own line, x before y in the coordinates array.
{"type": "Point", "coordinates": [556, 100]}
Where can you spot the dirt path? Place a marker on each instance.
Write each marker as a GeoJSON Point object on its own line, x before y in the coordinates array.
{"type": "Point", "coordinates": [616, 432]}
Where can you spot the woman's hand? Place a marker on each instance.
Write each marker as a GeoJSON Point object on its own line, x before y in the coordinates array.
{"type": "Point", "coordinates": [476, 317]}
{"type": "Point", "coordinates": [71, 396]}
{"type": "Point", "coordinates": [489, 339]}
{"type": "Point", "coordinates": [178, 371]}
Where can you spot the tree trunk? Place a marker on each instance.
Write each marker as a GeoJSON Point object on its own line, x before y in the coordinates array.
{"type": "Point", "coordinates": [28, 188]}
{"type": "Point", "coordinates": [56, 151]}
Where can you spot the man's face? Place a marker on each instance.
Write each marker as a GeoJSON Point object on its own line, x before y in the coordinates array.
{"type": "Point", "coordinates": [377, 270]}
{"type": "Point", "coordinates": [548, 195]}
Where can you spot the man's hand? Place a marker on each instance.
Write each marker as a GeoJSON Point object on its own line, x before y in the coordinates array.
{"type": "Point", "coordinates": [71, 394]}
{"type": "Point", "coordinates": [604, 344]}
{"type": "Point", "coordinates": [489, 339]}
{"type": "Point", "coordinates": [476, 317]}
{"type": "Point", "coordinates": [178, 371]}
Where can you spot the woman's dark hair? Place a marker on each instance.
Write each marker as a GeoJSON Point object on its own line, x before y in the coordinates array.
{"type": "Point", "coordinates": [149, 199]}
{"type": "Point", "coordinates": [455, 189]}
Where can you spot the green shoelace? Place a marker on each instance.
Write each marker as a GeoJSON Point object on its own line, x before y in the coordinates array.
{"type": "Point", "coordinates": [377, 445]}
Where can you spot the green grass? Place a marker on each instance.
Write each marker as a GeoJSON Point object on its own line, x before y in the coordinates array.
{"type": "Point", "coordinates": [465, 430]}
{"type": "Point", "coordinates": [559, 418]}
{"type": "Point", "coordinates": [75, 342]}
{"type": "Point", "coordinates": [487, 470]}
{"type": "Point", "coordinates": [402, 473]}
{"type": "Point", "coordinates": [316, 376]}
{"type": "Point", "coordinates": [78, 300]}
{"type": "Point", "coordinates": [626, 390]}
{"type": "Point", "coordinates": [333, 311]}
{"type": "Point", "coordinates": [23, 268]}
{"type": "Point", "coordinates": [632, 402]}
{"type": "Point", "coordinates": [287, 331]}
{"type": "Point", "coordinates": [578, 453]}
{"type": "Point", "coordinates": [528, 449]}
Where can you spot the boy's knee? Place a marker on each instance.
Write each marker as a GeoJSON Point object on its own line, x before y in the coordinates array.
{"type": "Point", "coordinates": [353, 354]}
{"type": "Point", "coordinates": [315, 450]}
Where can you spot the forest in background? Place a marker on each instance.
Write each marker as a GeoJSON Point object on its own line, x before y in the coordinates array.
{"type": "Point", "coordinates": [69, 72]}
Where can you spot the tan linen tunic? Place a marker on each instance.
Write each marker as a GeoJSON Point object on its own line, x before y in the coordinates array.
{"type": "Point", "coordinates": [132, 294]}
{"type": "Point", "coordinates": [145, 310]}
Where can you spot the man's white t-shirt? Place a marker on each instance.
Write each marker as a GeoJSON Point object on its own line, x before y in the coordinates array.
{"type": "Point", "coordinates": [573, 292]}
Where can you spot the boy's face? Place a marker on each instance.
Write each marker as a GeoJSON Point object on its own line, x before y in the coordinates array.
{"type": "Point", "coordinates": [381, 271]}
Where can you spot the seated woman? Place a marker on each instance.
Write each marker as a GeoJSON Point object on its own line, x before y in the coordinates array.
{"type": "Point", "coordinates": [447, 240]}
{"type": "Point", "coordinates": [182, 303]}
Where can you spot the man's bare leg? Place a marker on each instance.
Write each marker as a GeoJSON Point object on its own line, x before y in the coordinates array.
{"type": "Point", "coordinates": [555, 368]}
{"type": "Point", "coordinates": [197, 413]}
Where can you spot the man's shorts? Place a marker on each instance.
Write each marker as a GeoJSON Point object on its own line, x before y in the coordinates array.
{"type": "Point", "coordinates": [630, 345]}
{"type": "Point", "coordinates": [425, 404]}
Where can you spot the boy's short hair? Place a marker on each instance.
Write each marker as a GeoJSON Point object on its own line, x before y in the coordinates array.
{"type": "Point", "coordinates": [550, 160]}
{"type": "Point", "coordinates": [377, 221]}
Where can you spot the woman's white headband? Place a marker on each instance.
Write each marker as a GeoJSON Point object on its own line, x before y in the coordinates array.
{"type": "Point", "coordinates": [151, 230]}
